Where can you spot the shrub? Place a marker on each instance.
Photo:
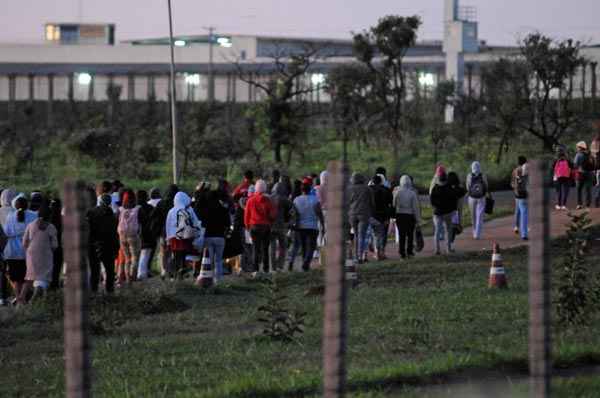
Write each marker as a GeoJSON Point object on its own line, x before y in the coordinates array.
{"type": "Point", "coordinates": [279, 322]}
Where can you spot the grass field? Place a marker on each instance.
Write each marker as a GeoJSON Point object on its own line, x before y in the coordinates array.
{"type": "Point", "coordinates": [413, 327]}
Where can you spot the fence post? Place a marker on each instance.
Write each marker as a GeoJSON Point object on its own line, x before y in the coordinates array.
{"type": "Point", "coordinates": [77, 360]}
{"type": "Point", "coordinates": [539, 281]}
{"type": "Point", "coordinates": [334, 325]}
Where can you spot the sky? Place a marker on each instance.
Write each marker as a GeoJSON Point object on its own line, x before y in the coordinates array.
{"type": "Point", "coordinates": [500, 21]}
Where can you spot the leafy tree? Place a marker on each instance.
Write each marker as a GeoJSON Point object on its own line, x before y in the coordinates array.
{"type": "Point", "coordinates": [284, 106]}
{"type": "Point", "coordinates": [382, 49]}
{"type": "Point", "coordinates": [505, 100]}
{"type": "Point", "coordinates": [552, 64]}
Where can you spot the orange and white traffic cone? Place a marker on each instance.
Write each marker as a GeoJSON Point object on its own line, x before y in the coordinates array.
{"type": "Point", "coordinates": [497, 272]}
{"type": "Point", "coordinates": [205, 279]}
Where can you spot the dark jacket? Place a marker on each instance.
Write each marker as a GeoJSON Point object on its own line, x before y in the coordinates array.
{"type": "Point", "coordinates": [383, 202]}
{"type": "Point", "coordinates": [444, 199]}
{"type": "Point", "coordinates": [158, 218]}
{"type": "Point", "coordinates": [145, 217]}
{"type": "Point", "coordinates": [361, 202]}
{"type": "Point", "coordinates": [103, 231]}
{"type": "Point", "coordinates": [216, 218]}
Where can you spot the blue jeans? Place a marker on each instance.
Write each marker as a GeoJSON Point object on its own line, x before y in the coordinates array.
{"type": "Point", "coordinates": [523, 216]}
{"type": "Point", "coordinates": [215, 251]}
{"type": "Point", "coordinates": [360, 226]}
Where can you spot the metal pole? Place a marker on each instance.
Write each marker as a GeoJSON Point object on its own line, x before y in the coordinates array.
{"type": "Point", "coordinates": [173, 99]}
{"type": "Point", "coordinates": [211, 71]}
{"type": "Point", "coordinates": [539, 282]}
{"type": "Point", "coordinates": [334, 325]}
{"type": "Point", "coordinates": [77, 357]}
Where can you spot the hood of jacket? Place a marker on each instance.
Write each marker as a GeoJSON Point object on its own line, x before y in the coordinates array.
{"type": "Point", "coordinates": [405, 182]}
{"type": "Point", "coordinates": [182, 200]}
{"type": "Point", "coordinates": [323, 177]}
{"type": "Point", "coordinates": [476, 168]}
{"type": "Point", "coordinates": [7, 197]}
{"type": "Point", "coordinates": [280, 190]}
{"type": "Point", "coordinates": [358, 179]}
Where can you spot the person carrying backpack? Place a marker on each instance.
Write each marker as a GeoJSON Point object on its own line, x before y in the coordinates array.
{"type": "Point", "coordinates": [520, 184]}
{"type": "Point", "coordinates": [562, 177]}
{"type": "Point", "coordinates": [182, 228]}
{"type": "Point", "coordinates": [477, 188]}
{"type": "Point", "coordinates": [129, 229]}
{"type": "Point", "coordinates": [584, 169]}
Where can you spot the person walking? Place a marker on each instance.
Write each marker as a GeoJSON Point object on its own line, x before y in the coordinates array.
{"type": "Point", "coordinates": [39, 241]}
{"type": "Point", "coordinates": [584, 169]}
{"type": "Point", "coordinates": [258, 218]}
{"type": "Point", "coordinates": [281, 226]}
{"type": "Point", "coordinates": [478, 190]}
{"type": "Point", "coordinates": [157, 225]}
{"type": "Point", "coordinates": [217, 221]}
{"type": "Point", "coordinates": [148, 240]}
{"type": "Point", "coordinates": [444, 200]}
{"type": "Point", "coordinates": [3, 273]}
{"type": "Point", "coordinates": [520, 185]}
{"type": "Point", "coordinates": [361, 209]}
{"type": "Point", "coordinates": [308, 215]}
{"type": "Point", "coordinates": [182, 228]}
{"type": "Point", "coordinates": [14, 253]}
{"type": "Point", "coordinates": [6, 198]}
{"type": "Point", "coordinates": [56, 220]}
{"type": "Point", "coordinates": [380, 222]}
{"type": "Point", "coordinates": [562, 177]}
{"type": "Point", "coordinates": [408, 216]}
{"type": "Point", "coordinates": [129, 230]}
{"type": "Point", "coordinates": [460, 193]}
{"type": "Point", "coordinates": [104, 241]}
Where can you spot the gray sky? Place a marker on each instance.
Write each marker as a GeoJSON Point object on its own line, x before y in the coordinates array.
{"type": "Point", "coordinates": [500, 21]}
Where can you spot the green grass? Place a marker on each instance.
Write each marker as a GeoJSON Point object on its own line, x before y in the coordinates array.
{"type": "Point", "coordinates": [412, 326]}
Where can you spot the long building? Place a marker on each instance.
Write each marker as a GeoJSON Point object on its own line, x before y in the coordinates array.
{"type": "Point", "coordinates": [79, 62]}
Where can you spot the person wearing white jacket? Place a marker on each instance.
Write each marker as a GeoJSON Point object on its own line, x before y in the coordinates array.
{"type": "Point", "coordinates": [478, 189]}
{"type": "Point", "coordinates": [181, 222]}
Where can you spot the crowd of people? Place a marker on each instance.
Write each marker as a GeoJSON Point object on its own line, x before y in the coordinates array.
{"type": "Point", "coordinates": [260, 226]}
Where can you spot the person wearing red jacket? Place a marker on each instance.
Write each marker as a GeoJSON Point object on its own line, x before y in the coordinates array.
{"type": "Point", "coordinates": [259, 215]}
{"type": "Point", "coordinates": [242, 189]}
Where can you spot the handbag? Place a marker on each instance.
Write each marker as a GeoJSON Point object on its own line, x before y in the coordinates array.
{"type": "Point", "coordinates": [419, 241]}
{"type": "Point", "coordinates": [187, 231]}
{"type": "Point", "coordinates": [489, 205]}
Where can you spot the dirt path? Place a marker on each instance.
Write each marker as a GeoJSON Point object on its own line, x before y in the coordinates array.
{"type": "Point", "coordinates": [499, 230]}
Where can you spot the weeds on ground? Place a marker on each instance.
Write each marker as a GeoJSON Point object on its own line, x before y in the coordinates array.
{"type": "Point", "coordinates": [279, 322]}
{"type": "Point", "coordinates": [577, 292]}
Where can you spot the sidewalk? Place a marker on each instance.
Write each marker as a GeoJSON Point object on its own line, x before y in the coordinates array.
{"type": "Point", "coordinates": [499, 230]}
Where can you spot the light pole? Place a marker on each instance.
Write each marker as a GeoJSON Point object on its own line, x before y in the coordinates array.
{"type": "Point", "coordinates": [173, 99]}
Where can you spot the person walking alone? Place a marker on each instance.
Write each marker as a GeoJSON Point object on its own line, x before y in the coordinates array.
{"type": "Point", "coordinates": [520, 186]}
{"type": "Point", "coordinates": [408, 216]}
{"type": "Point", "coordinates": [478, 189]}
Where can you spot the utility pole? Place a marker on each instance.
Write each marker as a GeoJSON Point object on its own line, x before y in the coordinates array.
{"type": "Point", "coordinates": [173, 98]}
{"type": "Point", "coordinates": [211, 71]}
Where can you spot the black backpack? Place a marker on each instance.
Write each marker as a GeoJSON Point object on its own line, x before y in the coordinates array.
{"type": "Point", "coordinates": [588, 163]}
{"type": "Point", "coordinates": [477, 189]}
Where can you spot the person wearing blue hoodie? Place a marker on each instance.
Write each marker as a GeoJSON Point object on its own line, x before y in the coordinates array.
{"type": "Point", "coordinates": [14, 253]}
{"type": "Point", "coordinates": [478, 190]}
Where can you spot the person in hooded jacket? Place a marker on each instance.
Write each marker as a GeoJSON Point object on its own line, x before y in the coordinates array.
{"type": "Point", "coordinates": [584, 176]}
{"type": "Point", "coordinates": [6, 208]}
{"type": "Point", "coordinates": [444, 200]}
{"type": "Point", "coordinates": [408, 216]}
{"type": "Point", "coordinates": [155, 197]}
{"type": "Point", "coordinates": [258, 218]}
{"type": "Point", "coordinates": [104, 241]}
{"type": "Point", "coordinates": [14, 253]}
{"type": "Point", "coordinates": [478, 190]}
{"type": "Point", "coordinates": [39, 241]}
{"type": "Point", "coordinates": [361, 207]}
{"type": "Point", "coordinates": [157, 225]}
{"type": "Point", "coordinates": [181, 221]}
{"type": "Point", "coordinates": [308, 217]}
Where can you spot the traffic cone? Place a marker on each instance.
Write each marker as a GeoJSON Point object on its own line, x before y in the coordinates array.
{"type": "Point", "coordinates": [205, 279]}
{"type": "Point", "coordinates": [497, 272]}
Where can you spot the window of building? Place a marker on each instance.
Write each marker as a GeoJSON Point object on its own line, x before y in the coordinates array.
{"type": "Point", "coordinates": [52, 32]}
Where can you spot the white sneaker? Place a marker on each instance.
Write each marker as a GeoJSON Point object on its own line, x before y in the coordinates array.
{"type": "Point", "coordinates": [564, 208]}
{"type": "Point", "coordinates": [3, 303]}
{"type": "Point", "coordinates": [557, 207]}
